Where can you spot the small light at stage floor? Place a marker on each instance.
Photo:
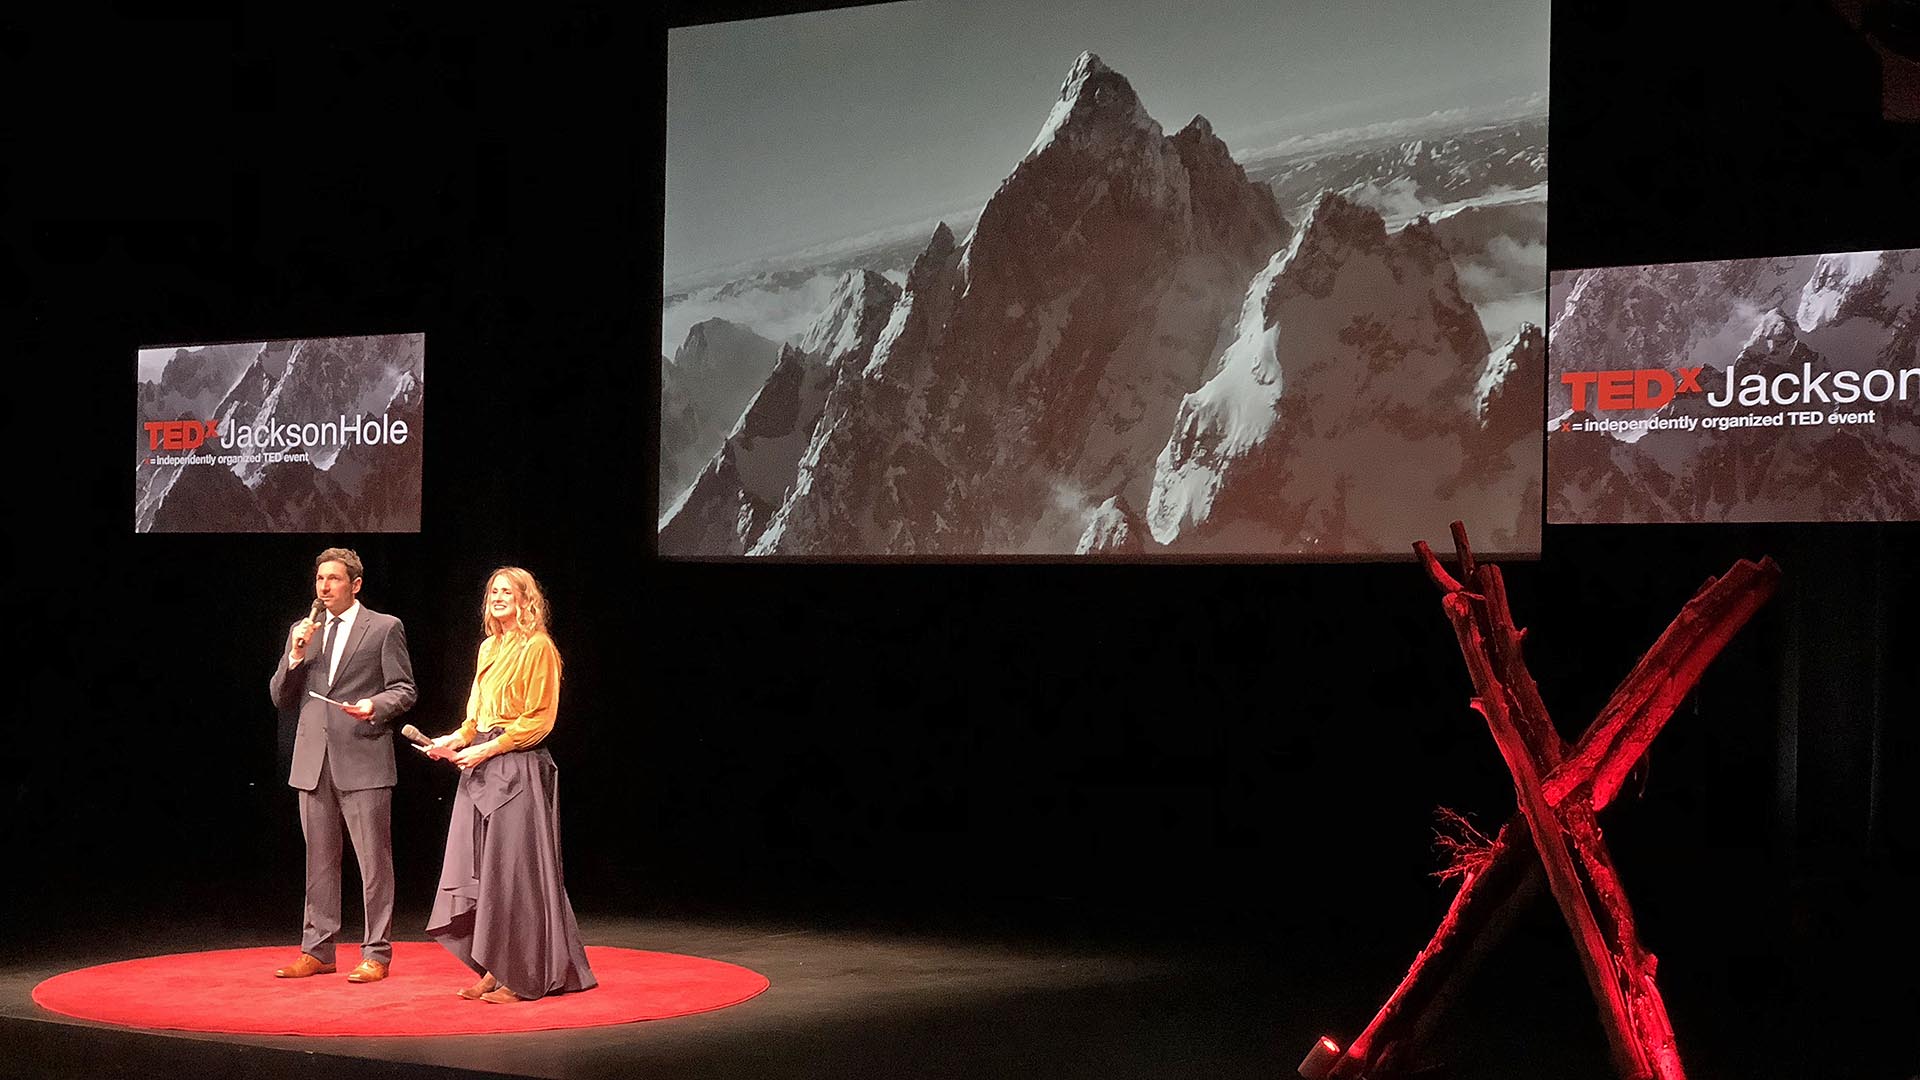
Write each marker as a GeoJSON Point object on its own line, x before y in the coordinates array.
{"type": "Point", "coordinates": [1320, 1059]}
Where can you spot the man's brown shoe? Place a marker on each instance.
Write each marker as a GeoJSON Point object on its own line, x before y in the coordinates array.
{"type": "Point", "coordinates": [480, 989]}
{"type": "Point", "coordinates": [304, 967]}
{"type": "Point", "coordinates": [500, 995]}
{"type": "Point", "coordinates": [368, 971]}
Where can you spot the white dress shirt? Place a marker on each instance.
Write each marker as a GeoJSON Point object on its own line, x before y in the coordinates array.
{"type": "Point", "coordinates": [340, 634]}
{"type": "Point", "coordinates": [339, 639]}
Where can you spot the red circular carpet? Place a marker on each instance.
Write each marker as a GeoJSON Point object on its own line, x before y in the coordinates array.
{"type": "Point", "coordinates": [233, 991]}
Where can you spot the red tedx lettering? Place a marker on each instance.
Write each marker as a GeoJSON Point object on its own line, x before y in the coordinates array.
{"type": "Point", "coordinates": [1577, 381]}
{"type": "Point", "coordinates": [180, 434]}
{"type": "Point", "coordinates": [1616, 390]}
{"type": "Point", "coordinates": [1630, 388]}
{"type": "Point", "coordinates": [1652, 389]}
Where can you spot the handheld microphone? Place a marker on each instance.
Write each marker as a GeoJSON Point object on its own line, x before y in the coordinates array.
{"type": "Point", "coordinates": [412, 735]}
{"type": "Point", "coordinates": [313, 618]}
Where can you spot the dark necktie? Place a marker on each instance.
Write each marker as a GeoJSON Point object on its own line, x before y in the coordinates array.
{"type": "Point", "coordinates": [326, 653]}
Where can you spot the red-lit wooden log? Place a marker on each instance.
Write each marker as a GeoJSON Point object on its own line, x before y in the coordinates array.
{"type": "Point", "coordinates": [1504, 638]}
{"type": "Point", "coordinates": [1634, 966]}
{"type": "Point", "coordinates": [1625, 962]}
{"type": "Point", "coordinates": [1550, 842]}
{"type": "Point", "coordinates": [1395, 1030]}
{"type": "Point", "coordinates": [1650, 693]}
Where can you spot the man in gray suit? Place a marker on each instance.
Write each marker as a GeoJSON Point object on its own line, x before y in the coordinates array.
{"type": "Point", "coordinates": [343, 757]}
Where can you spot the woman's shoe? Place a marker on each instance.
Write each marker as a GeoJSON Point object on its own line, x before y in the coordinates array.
{"type": "Point", "coordinates": [500, 995]}
{"type": "Point", "coordinates": [480, 989]}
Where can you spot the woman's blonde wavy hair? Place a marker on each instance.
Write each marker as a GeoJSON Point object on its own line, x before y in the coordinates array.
{"type": "Point", "coordinates": [534, 612]}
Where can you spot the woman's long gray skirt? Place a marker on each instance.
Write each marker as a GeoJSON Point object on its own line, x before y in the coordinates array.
{"type": "Point", "coordinates": [502, 904]}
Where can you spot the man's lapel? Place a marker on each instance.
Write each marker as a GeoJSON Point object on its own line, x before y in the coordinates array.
{"type": "Point", "coordinates": [353, 643]}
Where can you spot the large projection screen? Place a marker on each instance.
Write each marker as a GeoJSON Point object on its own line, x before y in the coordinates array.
{"type": "Point", "coordinates": [318, 435]}
{"type": "Point", "coordinates": [962, 280]}
{"type": "Point", "coordinates": [1778, 389]}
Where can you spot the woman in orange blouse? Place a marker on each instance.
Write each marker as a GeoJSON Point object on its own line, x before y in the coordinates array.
{"type": "Point", "coordinates": [502, 905]}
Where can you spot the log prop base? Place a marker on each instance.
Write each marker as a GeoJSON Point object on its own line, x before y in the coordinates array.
{"type": "Point", "coordinates": [1321, 1059]}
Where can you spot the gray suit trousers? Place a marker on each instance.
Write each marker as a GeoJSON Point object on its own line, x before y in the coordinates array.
{"type": "Point", "coordinates": [366, 815]}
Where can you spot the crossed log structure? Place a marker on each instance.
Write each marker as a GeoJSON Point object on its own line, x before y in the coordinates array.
{"type": "Point", "coordinates": [1560, 789]}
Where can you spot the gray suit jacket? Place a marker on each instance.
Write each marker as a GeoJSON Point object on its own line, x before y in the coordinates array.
{"type": "Point", "coordinates": [373, 664]}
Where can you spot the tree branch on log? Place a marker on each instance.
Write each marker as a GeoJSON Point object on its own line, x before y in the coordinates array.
{"type": "Point", "coordinates": [1462, 550]}
{"type": "Point", "coordinates": [1434, 570]}
{"type": "Point", "coordinates": [1465, 848]}
{"type": "Point", "coordinates": [1543, 739]}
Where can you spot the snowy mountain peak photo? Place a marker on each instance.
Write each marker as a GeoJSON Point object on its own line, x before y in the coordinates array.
{"type": "Point", "coordinates": [1351, 372]}
{"type": "Point", "coordinates": [1125, 343]}
{"type": "Point", "coordinates": [1095, 103]}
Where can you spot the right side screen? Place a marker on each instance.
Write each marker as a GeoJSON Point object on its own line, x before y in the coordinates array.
{"type": "Point", "coordinates": [1777, 389]}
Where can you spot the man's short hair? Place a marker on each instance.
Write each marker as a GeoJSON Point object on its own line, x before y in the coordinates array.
{"type": "Point", "coordinates": [345, 557]}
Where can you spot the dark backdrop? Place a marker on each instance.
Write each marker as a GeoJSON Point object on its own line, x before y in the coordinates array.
{"type": "Point", "coordinates": [1235, 754]}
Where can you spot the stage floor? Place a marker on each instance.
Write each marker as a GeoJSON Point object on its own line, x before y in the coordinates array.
{"type": "Point", "coordinates": [842, 1003]}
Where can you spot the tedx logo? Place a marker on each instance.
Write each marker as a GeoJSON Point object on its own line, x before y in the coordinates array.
{"type": "Point", "coordinates": [1631, 388]}
{"type": "Point", "coordinates": [180, 434]}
